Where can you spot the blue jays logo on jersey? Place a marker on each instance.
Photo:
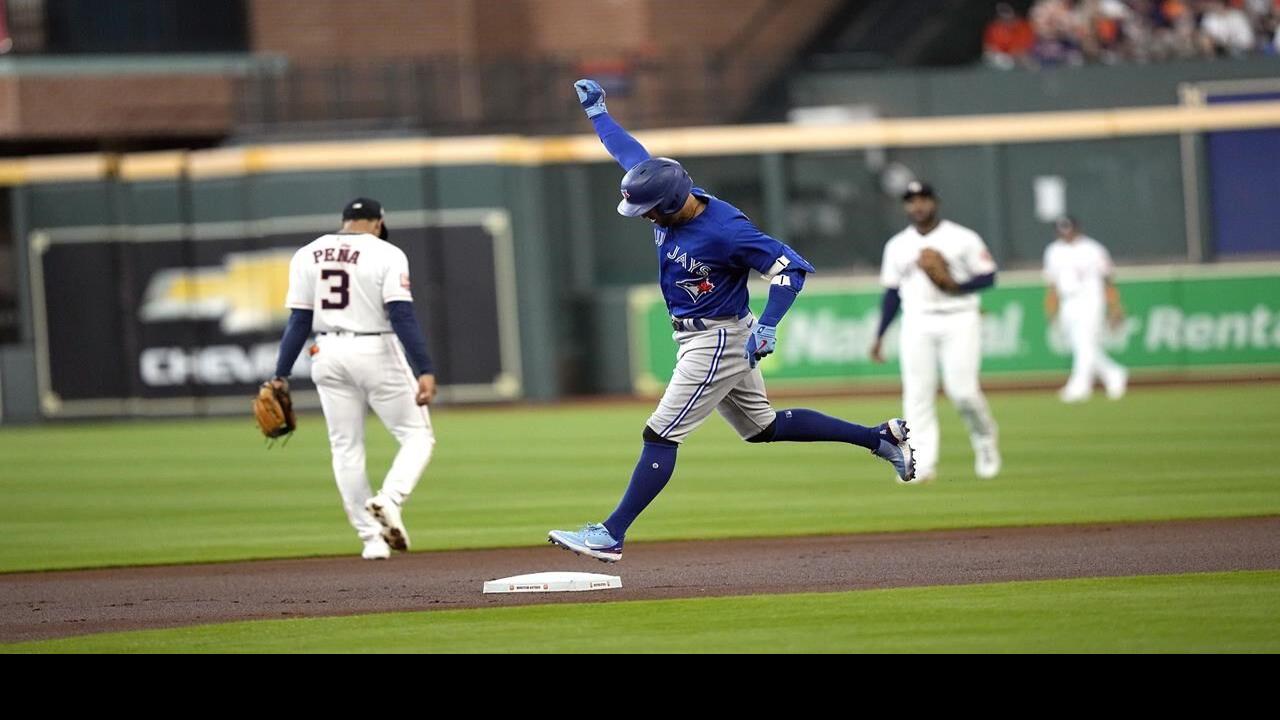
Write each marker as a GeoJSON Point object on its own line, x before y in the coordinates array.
{"type": "Point", "coordinates": [697, 287]}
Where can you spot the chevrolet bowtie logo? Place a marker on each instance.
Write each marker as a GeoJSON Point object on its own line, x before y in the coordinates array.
{"type": "Point", "coordinates": [246, 293]}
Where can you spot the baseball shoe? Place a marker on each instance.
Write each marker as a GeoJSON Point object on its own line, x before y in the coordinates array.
{"type": "Point", "coordinates": [986, 458]}
{"type": "Point", "coordinates": [387, 512]}
{"type": "Point", "coordinates": [896, 450]}
{"type": "Point", "coordinates": [592, 541]}
{"type": "Point", "coordinates": [376, 549]}
{"type": "Point", "coordinates": [1072, 397]}
{"type": "Point", "coordinates": [1117, 384]}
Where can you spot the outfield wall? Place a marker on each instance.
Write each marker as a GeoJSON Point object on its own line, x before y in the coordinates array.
{"type": "Point", "coordinates": [568, 257]}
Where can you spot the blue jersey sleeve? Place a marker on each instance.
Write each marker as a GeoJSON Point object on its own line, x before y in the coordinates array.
{"type": "Point", "coordinates": [624, 148]}
{"type": "Point", "coordinates": [764, 254]}
{"type": "Point", "coordinates": [400, 313]}
{"type": "Point", "coordinates": [296, 332]}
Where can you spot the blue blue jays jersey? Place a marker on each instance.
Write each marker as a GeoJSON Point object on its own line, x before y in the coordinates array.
{"type": "Point", "coordinates": [703, 265]}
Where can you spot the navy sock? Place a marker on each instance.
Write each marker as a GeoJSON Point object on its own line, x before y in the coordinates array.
{"type": "Point", "coordinates": [800, 425]}
{"type": "Point", "coordinates": [653, 470]}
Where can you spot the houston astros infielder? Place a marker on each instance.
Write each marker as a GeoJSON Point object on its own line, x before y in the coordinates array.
{"type": "Point", "coordinates": [1078, 271]}
{"type": "Point", "coordinates": [353, 287]}
{"type": "Point", "coordinates": [939, 326]}
{"type": "Point", "coordinates": [706, 249]}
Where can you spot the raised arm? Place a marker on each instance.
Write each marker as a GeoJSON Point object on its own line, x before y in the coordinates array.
{"type": "Point", "coordinates": [624, 148]}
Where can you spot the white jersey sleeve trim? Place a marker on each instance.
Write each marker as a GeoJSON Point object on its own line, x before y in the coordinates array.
{"type": "Point", "coordinates": [778, 266]}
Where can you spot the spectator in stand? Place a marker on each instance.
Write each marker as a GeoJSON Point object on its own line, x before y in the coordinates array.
{"type": "Point", "coordinates": [1106, 30]}
{"type": "Point", "coordinates": [1058, 34]}
{"type": "Point", "coordinates": [1266, 24]}
{"type": "Point", "coordinates": [1073, 32]}
{"type": "Point", "coordinates": [1227, 29]}
{"type": "Point", "coordinates": [6, 43]}
{"type": "Point", "coordinates": [1271, 29]}
{"type": "Point", "coordinates": [1008, 40]}
{"type": "Point", "coordinates": [1174, 33]}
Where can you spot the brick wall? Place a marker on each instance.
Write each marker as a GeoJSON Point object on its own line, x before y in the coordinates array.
{"type": "Point", "coordinates": [343, 29]}
{"type": "Point", "coordinates": [8, 106]}
{"type": "Point", "coordinates": [662, 46]}
{"type": "Point", "coordinates": [319, 31]}
{"type": "Point", "coordinates": [120, 106]}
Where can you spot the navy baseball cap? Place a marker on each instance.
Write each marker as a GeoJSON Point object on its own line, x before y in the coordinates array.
{"type": "Point", "coordinates": [363, 208]}
{"type": "Point", "coordinates": [915, 188]}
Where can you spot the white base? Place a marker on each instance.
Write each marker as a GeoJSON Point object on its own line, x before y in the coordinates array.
{"type": "Point", "coordinates": [553, 582]}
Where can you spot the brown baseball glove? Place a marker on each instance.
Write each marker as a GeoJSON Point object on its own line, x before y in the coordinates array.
{"type": "Point", "coordinates": [273, 409]}
{"type": "Point", "coordinates": [935, 266]}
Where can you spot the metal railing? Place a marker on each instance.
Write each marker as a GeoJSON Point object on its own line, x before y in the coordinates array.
{"type": "Point", "coordinates": [453, 96]}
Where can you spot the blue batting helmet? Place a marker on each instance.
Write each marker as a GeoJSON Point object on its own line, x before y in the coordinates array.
{"type": "Point", "coordinates": [660, 184]}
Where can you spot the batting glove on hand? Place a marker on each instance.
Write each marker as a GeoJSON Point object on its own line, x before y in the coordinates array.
{"type": "Point", "coordinates": [591, 95]}
{"type": "Point", "coordinates": [762, 342]}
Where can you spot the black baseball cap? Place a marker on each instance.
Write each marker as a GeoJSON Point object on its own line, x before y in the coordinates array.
{"type": "Point", "coordinates": [363, 208]}
{"type": "Point", "coordinates": [917, 188]}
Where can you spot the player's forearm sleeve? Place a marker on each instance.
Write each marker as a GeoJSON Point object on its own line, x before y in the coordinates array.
{"type": "Point", "coordinates": [295, 336]}
{"type": "Point", "coordinates": [979, 282]}
{"type": "Point", "coordinates": [780, 299]}
{"type": "Point", "coordinates": [888, 309]}
{"type": "Point", "coordinates": [625, 149]}
{"type": "Point", "coordinates": [415, 343]}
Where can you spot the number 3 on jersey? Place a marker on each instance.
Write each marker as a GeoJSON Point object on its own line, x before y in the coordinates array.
{"type": "Point", "coordinates": [340, 288]}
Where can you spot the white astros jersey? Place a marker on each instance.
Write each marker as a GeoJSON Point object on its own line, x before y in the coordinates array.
{"type": "Point", "coordinates": [347, 279]}
{"type": "Point", "coordinates": [966, 255]}
{"type": "Point", "coordinates": [1078, 270]}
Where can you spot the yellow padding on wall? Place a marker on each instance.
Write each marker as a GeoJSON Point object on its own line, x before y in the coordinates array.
{"type": "Point", "coordinates": [682, 142]}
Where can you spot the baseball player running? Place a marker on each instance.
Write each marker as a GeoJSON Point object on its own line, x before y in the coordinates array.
{"type": "Point", "coordinates": [706, 249]}
{"type": "Point", "coordinates": [352, 287]}
{"type": "Point", "coordinates": [933, 269]}
{"type": "Point", "coordinates": [1078, 271]}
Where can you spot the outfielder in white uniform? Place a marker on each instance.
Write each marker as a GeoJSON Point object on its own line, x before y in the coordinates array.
{"type": "Point", "coordinates": [1078, 271]}
{"type": "Point", "coordinates": [940, 326]}
{"type": "Point", "coordinates": [352, 287]}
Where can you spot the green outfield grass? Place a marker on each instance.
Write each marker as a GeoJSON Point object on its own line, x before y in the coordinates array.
{"type": "Point", "coordinates": [78, 495]}
{"type": "Point", "coordinates": [1221, 612]}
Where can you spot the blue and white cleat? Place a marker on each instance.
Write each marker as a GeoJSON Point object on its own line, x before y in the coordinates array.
{"type": "Point", "coordinates": [592, 541]}
{"type": "Point", "coordinates": [895, 449]}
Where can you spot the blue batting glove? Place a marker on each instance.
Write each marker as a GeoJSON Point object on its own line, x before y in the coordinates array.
{"type": "Point", "coordinates": [763, 341]}
{"type": "Point", "coordinates": [591, 95]}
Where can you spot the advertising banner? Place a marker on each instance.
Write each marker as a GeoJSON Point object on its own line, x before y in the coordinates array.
{"type": "Point", "coordinates": [1177, 319]}
{"type": "Point", "coordinates": [187, 319]}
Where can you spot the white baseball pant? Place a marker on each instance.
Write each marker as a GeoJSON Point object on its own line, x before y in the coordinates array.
{"type": "Point", "coordinates": [350, 372]}
{"type": "Point", "coordinates": [952, 340]}
{"type": "Point", "coordinates": [1082, 321]}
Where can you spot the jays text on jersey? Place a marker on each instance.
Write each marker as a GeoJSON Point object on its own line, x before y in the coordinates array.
{"type": "Point", "coordinates": [704, 264]}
